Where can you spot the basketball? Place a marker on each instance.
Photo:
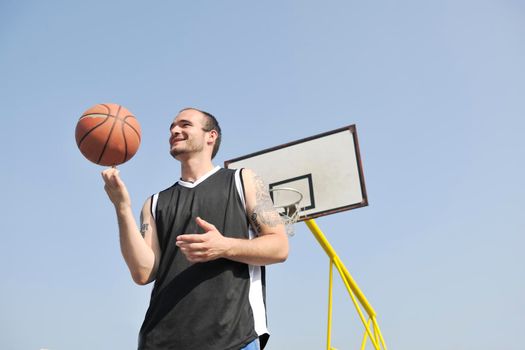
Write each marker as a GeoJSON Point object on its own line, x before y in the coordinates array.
{"type": "Point", "coordinates": [108, 134]}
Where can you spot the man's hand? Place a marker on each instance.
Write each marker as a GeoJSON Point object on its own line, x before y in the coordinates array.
{"type": "Point", "coordinates": [204, 247]}
{"type": "Point", "coordinates": [115, 188]}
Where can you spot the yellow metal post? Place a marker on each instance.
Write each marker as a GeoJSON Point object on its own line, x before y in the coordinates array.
{"type": "Point", "coordinates": [355, 292]}
{"type": "Point", "coordinates": [329, 330]}
{"type": "Point", "coordinates": [321, 238]}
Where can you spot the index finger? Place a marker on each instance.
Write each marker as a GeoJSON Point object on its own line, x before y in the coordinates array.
{"type": "Point", "coordinates": [111, 176]}
{"type": "Point", "coordinates": [190, 238]}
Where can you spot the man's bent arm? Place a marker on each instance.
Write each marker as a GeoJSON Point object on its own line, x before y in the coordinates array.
{"type": "Point", "coordinates": [262, 250]}
{"type": "Point", "coordinates": [270, 246]}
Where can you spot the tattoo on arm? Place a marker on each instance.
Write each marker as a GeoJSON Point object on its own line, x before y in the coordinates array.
{"type": "Point", "coordinates": [263, 212]}
{"type": "Point", "coordinates": [143, 226]}
{"type": "Point", "coordinates": [143, 229]}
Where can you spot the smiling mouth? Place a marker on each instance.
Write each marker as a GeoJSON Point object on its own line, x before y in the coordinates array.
{"type": "Point", "coordinates": [174, 141]}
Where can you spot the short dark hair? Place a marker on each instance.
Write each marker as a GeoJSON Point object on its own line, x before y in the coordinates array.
{"type": "Point", "coordinates": [210, 124]}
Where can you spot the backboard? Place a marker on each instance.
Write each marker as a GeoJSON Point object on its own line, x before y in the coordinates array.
{"type": "Point", "coordinates": [326, 169]}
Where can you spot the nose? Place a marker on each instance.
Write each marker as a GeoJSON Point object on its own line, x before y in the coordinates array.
{"type": "Point", "coordinates": [174, 129]}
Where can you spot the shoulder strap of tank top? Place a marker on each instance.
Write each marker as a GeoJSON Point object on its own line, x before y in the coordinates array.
{"type": "Point", "coordinates": [153, 205]}
{"type": "Point", "coordinates": [239, 183]}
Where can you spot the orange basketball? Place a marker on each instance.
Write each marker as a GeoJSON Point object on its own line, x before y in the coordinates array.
{"type": "Point", "coordinates": [108, 134]}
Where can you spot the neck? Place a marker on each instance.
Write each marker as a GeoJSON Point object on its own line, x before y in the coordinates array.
{"type": "Point", "coordinates": [193, 169]}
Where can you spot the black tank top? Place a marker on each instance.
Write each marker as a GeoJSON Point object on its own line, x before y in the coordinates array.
{"type": "Point", "coordinates": [217, 305]}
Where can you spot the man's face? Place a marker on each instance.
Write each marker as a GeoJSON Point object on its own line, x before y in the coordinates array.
{"type": "Point", "coordinates": [186, 133]}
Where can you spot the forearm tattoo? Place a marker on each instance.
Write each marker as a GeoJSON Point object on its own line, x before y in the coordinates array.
{"type": "Point", "coordinates": [263, 212]}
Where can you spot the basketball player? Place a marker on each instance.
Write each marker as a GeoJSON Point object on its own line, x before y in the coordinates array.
{"type": "Point", "coordinates": [204, 241]}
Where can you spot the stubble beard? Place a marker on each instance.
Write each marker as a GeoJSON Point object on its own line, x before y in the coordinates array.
{"type": "Point", "coordinates": [189, 147]}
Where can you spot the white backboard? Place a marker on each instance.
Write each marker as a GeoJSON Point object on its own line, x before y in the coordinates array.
{"type": "Point", "coordinates": [325, 168]}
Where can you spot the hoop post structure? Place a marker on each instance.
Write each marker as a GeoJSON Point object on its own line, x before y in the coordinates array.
{"type": "Point", "coordinates": [329, 330]}
{"type": "Point", "coordinates": [313, 177]}
{"type": "Point", "coordinates": [357, 296]}
{"type": "Point", "coordinates": [321, 238]}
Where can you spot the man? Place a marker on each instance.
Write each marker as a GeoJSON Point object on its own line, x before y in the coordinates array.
{"type": "Point", "coordinates": [195, 242]}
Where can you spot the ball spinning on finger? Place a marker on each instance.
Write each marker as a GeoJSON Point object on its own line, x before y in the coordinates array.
{"type": "Point", "coordinates": [108, 134]}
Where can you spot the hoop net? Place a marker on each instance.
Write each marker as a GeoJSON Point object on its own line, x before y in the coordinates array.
{"type": "Point", "coordinates": [286, 201]}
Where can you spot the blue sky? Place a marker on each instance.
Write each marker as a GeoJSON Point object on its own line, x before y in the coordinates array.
{"type": "Point", "coordinates": [436, 91]}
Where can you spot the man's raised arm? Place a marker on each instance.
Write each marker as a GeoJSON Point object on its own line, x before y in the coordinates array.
{"type": "Point", "coordinates": [140, 248]}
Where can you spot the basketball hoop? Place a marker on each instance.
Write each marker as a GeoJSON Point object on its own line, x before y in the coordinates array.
{"type": "Point", "coordinates": [287, 204]}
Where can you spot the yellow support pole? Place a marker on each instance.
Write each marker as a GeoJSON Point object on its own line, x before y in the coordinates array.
{"type": "Point", "coordinates": [374, 334]}
{"type": "Point", "coordinates": [378, 331]}
{"type": "Point", "coordinates": [321, 238]}
{"type": "Point", "coordinates": [329, 330]}
{"type": "Point", "coordinates": [338, 264]}
{"type": "Point", "coordinates": [365, 337]}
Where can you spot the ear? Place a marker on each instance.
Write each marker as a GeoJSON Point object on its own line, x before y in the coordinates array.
{"type": "Point", "coordinates": [212, 136]}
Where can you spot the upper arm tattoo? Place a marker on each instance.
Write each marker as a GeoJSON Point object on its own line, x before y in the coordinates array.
{"type": "Point", "coordinates": [143, 226]}
{"type": "Point", "coordinates": [263, 212]}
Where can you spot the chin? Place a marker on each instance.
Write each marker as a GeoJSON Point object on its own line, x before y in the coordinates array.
{"type": "Point", "coordinates": [177, 154]}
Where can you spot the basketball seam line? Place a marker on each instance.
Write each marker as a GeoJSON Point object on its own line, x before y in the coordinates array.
{"type": "Point", "coordinates": [125, 143]}
{"type": "Point", "coordinates": [91, 130]}
{"type": "Point", "coordinates": [109, 108]}
{"type": "Point", "coordinates": [109, 136]}
{"type": "Point", "coordinates": [123, 120]}
{"type": "Point", "coordinates": [131, 126]}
